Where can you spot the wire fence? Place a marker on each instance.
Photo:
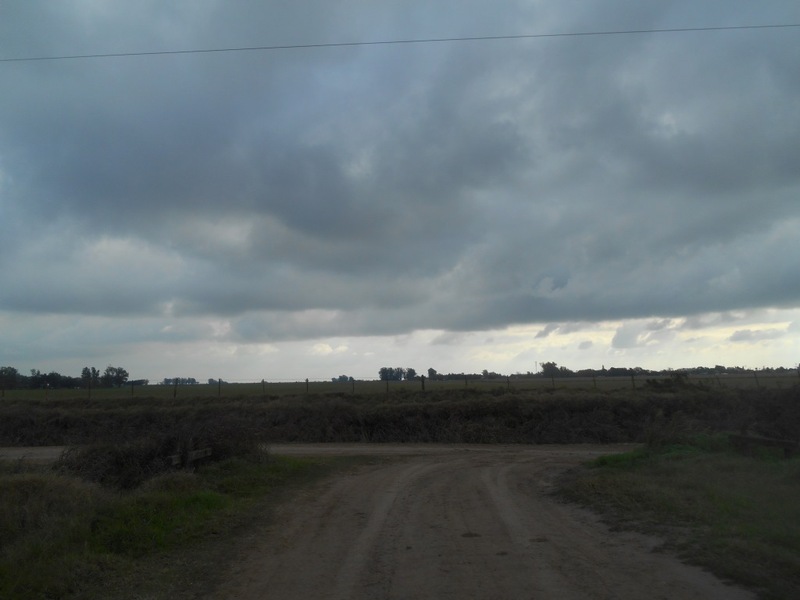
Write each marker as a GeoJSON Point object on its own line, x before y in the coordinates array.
{"type": "Point", "coordinates": [264, 388]}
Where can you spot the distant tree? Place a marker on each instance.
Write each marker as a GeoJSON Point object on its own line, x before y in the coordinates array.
{"type": "Point", "coordinates": [342, 379]}
{"type": "Point", "coordinates": [90, 377]}
{"type": "Point", "coordinates": [618, 371]}
{"type": "Point", "coordinates": [410, 374]}
{"type": "Point", "coordinates": [550, 369]}
{"type": "Point", "coordinates": [391, 373]}
{"type": "Point", "coordinates": [181, 381]}
{"type": "Point", "coordinates": [432, 373]}
{"type": "Point", "coordinates": [9, 378]}
{"type": "Point", "coordinates": [114, 377]}
{"type": "Point", "coordinates": [55, 380]}
{"type": "Point", "coordinates": [107, 378]}
{"type": "Point", "coordinates": [36, 379]}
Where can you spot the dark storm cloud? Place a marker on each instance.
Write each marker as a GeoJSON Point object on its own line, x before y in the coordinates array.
{"type": "Point", "coordinates": [383, 189]}
{"type": "Point", "coordinates": [748, 335]}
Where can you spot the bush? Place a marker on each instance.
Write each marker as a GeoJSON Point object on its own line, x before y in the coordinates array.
{"type": "Point", "coordinates": [123, 466]}
{"type": "Point", "coordinates": [39, 502]}
{"type": "Point", "coordinates": [237, 426]}
{"type": "Point", "coordinates": [129, 464]}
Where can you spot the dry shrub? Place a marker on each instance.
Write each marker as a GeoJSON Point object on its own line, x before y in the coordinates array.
{"type": "Point", "coordinates": [662, 431]}
{"type": "Point", "coordinates": [122, 466]}
{"type": "Point", "coordinates": [128, 464]}
{"type": "Point", "coordinates": [35, 503]}
{"type": "Point", "coordinates": [773, 413]}
{"type": "Point", "coordinates": [237, 426]}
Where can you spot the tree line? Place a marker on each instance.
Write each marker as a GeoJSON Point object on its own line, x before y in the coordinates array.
{"type": "Point", "coordinates": [553, 370]}
{"type": "Point", "coordinates": [90, 377]}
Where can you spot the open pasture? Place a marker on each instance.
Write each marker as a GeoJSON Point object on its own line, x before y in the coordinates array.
{"type": "Point", "coordinates": [377, 387]}
{"type": "Point", "coordinates": [466, 414]}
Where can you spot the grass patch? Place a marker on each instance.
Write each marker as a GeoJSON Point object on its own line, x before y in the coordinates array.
{"type": "Point", "coordinates": [65, 537]}
{"type": "Point", "coordinates": [738, 516]}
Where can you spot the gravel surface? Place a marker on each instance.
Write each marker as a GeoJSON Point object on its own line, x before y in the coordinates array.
{"type": "Point", "coordinates": [465, 522]}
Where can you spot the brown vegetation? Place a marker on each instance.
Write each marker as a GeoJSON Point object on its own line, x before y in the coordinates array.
{"type": "Point", "coordinates": [451, 416]}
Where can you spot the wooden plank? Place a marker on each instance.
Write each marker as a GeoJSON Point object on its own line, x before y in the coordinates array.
{"type": "Point", "coordinates": [181, 459]}
{"type": "Point", "coordinates": [198, 454]}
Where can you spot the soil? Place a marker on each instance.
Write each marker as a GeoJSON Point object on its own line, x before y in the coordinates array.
{"type": "Point", "coordinates": [440, 522]}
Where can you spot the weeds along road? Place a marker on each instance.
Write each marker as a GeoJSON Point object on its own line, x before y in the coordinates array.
{"type": "Point", "coordinates": [461, 522]}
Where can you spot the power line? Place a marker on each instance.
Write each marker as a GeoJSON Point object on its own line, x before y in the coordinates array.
{"type": "Point", "coordinates": [400, 41]}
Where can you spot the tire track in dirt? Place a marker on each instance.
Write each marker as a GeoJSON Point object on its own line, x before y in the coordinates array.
{"type": "Point", "coordinates": [445, 522]}
{"type": "Point", "coordinates": [362, 549]}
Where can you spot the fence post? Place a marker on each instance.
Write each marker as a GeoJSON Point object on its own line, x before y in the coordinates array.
{"type": "Point", "coordinates": [306, 385]}
{"type": "Point", "coordinates": [175, 389]}
{"type": "Point", "coordinates": [263, 387]}
{"type": "Point", "coordinates": [755, 375]}
{"type": "Point", "coordinates": [422, 379]}
{"type": "Point", "coordinates": [219, 387]}
{"type": "Point", "coordinates": [633, 381]}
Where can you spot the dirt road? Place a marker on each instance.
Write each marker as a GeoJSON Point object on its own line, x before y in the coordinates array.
{"type": "Point", "coordinates": [460, 522]}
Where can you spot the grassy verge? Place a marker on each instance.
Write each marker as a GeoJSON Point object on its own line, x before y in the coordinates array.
{"type": "Point", "coordinates": [64, 537]}
{"type": "Point", "coordinates": [737, 516]}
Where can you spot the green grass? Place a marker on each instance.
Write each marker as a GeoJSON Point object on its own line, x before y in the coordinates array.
{"type": "Point", "coordinates": [63, 537]}
{"type": "Point", "coordinates": [738, 516]}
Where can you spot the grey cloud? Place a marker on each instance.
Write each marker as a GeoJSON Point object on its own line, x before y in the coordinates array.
{"type": "Point", "coordinates": [449, 339]}
{"type": "Point", "coordinates": [626, 337]}
{"type": "Point", "coordinates": [548, 329]}
{"type": "Point", "coordinates": [709, 320]}
{"type": "Point", "coordinates": [749, 335]}
{"type": "Point", "coordinates": [636, 335]}
{"type": "Point", "coordinates": [445, 186]}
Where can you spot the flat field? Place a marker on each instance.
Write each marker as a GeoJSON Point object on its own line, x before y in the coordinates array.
{"type": "Point", "coordinates": [460, 415]}
{"type": "Point", "coordinates": [375, 387]}
{"type": "Point", "coordinates": [456, 501]}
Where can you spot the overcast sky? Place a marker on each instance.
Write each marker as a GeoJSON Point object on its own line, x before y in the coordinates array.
{"type": "Point", "coordinates": [617, 200]}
